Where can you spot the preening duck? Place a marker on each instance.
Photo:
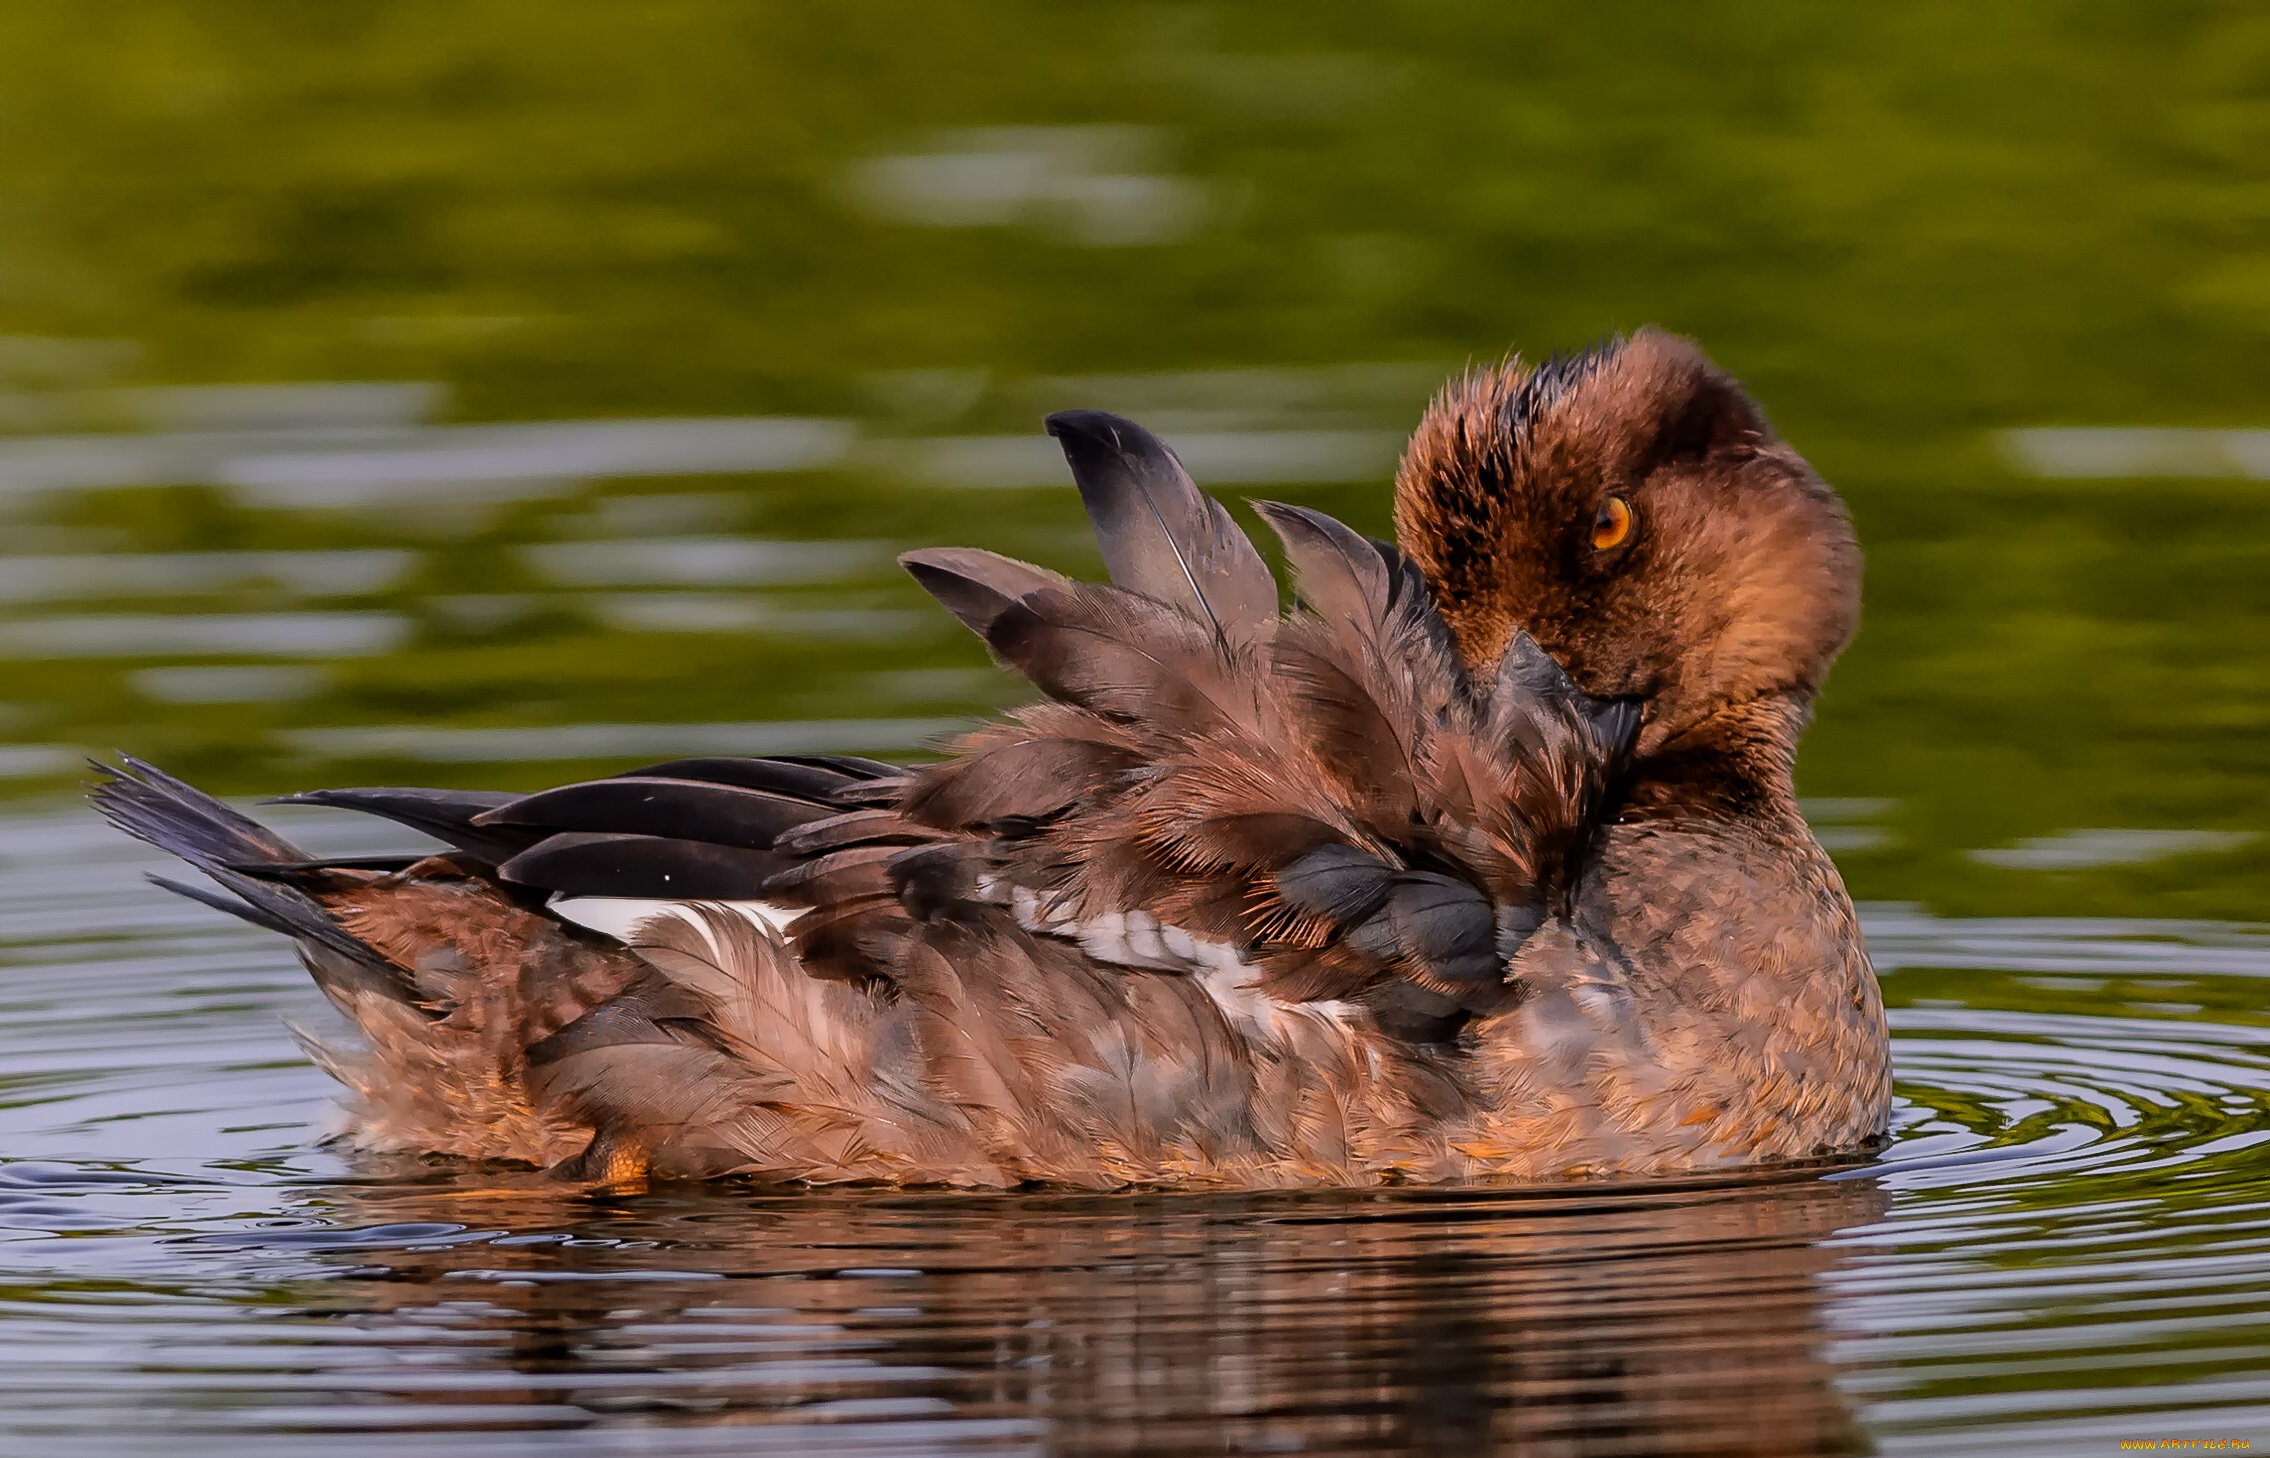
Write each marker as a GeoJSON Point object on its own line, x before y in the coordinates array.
{"type": "Point", "coordinates": [1481, 861]}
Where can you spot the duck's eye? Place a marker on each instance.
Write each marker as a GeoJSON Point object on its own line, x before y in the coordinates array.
{"type": "Point", "coordinates": [1612, 524]}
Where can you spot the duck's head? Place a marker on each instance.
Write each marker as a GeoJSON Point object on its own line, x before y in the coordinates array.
{"type": "Point", "coordinates": [1630, 509]}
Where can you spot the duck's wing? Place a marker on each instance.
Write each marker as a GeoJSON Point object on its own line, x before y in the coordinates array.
{"type": "Point", "coordinates": [1136, 929]}
{"type": "Point", "coordinates": [1315, 808]}
{"type": "Point", "coordinates": [1160, 535]}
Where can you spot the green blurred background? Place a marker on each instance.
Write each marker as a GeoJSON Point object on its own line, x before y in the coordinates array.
{"type": "Point", "coordinates": [1264, 228]}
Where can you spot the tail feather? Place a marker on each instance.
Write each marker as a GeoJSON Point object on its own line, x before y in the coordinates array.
{"type": "Point", "coordinates": [353, 985]}
{"type": "Point", "coordinates": [297, 915]}
{"type": "Point", "coordinates": [241, 910]}
{"type": "Point", "coordinates": [235, 851]}
{"type": "Point", "coordinates": [490, 1029]}
{"type": "Point", "coordinates": [154, 807]}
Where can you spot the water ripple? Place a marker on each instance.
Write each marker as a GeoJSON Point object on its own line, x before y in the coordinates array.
{"type": "Point", "coordinates": [2069, 1243]}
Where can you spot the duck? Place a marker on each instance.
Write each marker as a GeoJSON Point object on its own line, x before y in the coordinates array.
{"type": "Point", "coordinates": [1479, 861]}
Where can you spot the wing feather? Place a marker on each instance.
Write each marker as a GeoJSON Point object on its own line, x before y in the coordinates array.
{"type": "Point", "coordinates": [1161, 536]}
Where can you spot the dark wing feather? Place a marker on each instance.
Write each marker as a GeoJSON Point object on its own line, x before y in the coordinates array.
{"type": "Point", "coordinates": [1340, 576]}
{"type": "Point", "coordinates": [286, 870]}
{"type": "Point", "coordinates": [855, 766]}
{"type": "Point", "coordinates": [880, 826]}
{"type": "Point", "coordinates": [1446, 932]}
{"type": "Point", "coordinates": [637, 1014]}
{"type": "Point", "coordinates": [837, 875]}
{"type": "Point", "coordinates": [931, 880]}
{"type": "Point", "coordinates": [446, 815]}
{"type": "Point", "coordinates": [774, 776]}
{"type": "Point", "coordinates": [975, 586]}
{"type": "Point", "coordinates": [1017, 771]}
{"type": "Point", "coordinates": [1161, 536]}
{"type": "Point", "coordinates": [1117, 654]}
{"type": "Point", "coordinates": [1336, 883]}
{"type": "Point", "coordinates": [679, 809]}
{"type": "Point", "coordinates": [577, 863]}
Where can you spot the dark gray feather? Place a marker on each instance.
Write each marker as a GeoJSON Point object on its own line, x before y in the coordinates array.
{"type": "Point", "coordinates": [446, 815]}
{"type": "Point", "coordinates": [581, 864]}
{"type": "Point", "coordinates": [775, 776]}
{"type": "Point", "coordinates": [973, 585]}
{"type": "Point", "coordinates": [1339, 576]}
{"type": "Point", "coordinates": [1160, 535]}
{"type": "Point", "coordinates": [678, 809]}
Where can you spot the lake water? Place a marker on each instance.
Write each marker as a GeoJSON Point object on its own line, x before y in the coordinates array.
{"type": "Point", "coordinates": [495, 394]}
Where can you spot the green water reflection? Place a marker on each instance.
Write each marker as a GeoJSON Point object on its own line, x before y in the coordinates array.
{"type": "Point", "coordinates": [1907, 228]}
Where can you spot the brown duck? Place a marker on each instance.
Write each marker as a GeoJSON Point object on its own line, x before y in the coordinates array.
{"type": "Point", "coordinates": [1482, 861]}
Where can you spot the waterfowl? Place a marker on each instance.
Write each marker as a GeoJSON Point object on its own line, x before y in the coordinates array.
{"type": "Point", "coordinates": [1482, 861]}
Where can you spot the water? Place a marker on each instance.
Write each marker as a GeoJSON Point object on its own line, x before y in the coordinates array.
{"type": "Point", "coordinates": [2069, 1244]}
{"type": "Point", "coordinates": [496, 397]}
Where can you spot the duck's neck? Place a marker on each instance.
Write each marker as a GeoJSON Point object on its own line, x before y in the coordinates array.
{"type": "Point", "coordinates": [1733, 765]}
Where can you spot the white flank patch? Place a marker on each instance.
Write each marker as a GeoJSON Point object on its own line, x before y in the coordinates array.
{"type": "Point", "coordinates": [1139, 939]}
{"type": "Point", "coordinates": [1233, 986]}
{"type": "Point", "coordinates": [619, 916]}
{"type": "Point", "coordinates": [1125, 939]}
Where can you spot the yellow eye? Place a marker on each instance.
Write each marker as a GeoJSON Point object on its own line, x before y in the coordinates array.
{"type": "Point", "coordinates": [1612, 525]}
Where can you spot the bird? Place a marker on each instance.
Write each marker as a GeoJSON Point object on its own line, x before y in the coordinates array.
{"type": "Point", "coordinates": [1478, 861]}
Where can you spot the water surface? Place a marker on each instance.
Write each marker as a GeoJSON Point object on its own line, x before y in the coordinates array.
{"type": "Point", "coordinates": [2067, 1245]}
{"type": "Point", "coordinates": [496, 393]}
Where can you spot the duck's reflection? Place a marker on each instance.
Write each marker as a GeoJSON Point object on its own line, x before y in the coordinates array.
{"type": "Point", "coordinates": [1656, 1321]}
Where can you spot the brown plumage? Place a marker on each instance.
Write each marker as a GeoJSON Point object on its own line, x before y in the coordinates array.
{"type": "Point", "coordinates": [1482, 861]}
